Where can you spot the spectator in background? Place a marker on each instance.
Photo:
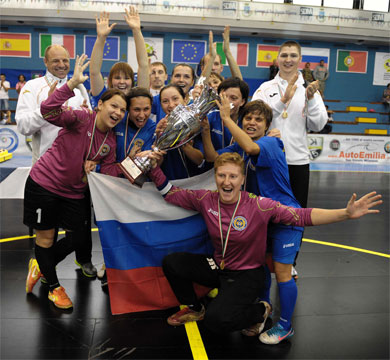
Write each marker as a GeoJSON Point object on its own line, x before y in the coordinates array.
{"type": "Point", "coordinates": [321, 74]}
{"type": "Point", "coordinates": [307, 74]}
{"type": "Point", "coordinates": [20, 84]}
{"type": "Point", "coordinates": [386, 95]}
{"type": "Point", "coordinates": [158, 77]}
{"type": "Point", "coordinates": [273, 69]}
{"type": "Point", "coordinates": [4, 97]}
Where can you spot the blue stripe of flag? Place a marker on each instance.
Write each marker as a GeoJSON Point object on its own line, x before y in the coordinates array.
{"type": "Point", "coordinates": [314, 59]}
{"type": "Point", "coordinates": [129, 246]}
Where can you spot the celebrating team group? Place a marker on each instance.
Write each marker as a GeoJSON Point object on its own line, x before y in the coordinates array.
{"type": "Point", "coordinates": [258, 151]}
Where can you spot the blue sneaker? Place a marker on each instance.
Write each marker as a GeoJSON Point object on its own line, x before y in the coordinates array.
{"type": "Point", "coordinates": [275, 335]}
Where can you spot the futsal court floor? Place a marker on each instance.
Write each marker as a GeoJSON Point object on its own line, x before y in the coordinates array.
{"type": "Point", "coordinates": [342, 310]}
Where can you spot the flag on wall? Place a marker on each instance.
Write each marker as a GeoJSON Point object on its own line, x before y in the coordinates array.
{"type": "Point", "coordinates": [111, 47]}
{"type": "Point", "coordinates": [154, 48]}
{"type": "Point", "coordinates": [351, 61]}
{"type": "Point", "coordinates": [239, 52]}
{"type": "Point", "coordinates": [137, 228]}
{"type": "Point", "coordinates": [187, 51]}
{"type": "Point", "coordinates": [68, 41]}
{"type": "Point", "coordinates": [314, 56]}
{"type": "Point", "coordinates": [266, 54]}
{"type": "Point", "coordinates": [15, 44]}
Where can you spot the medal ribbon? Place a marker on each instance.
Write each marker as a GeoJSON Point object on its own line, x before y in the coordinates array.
{"type": "Point", "coordinates": [224, 243]}
{"type": "Point", "coordinates": [127, 151]}
{"type": "Point", "coordinates": [90, 145]}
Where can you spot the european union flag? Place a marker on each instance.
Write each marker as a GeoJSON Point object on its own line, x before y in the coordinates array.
{"type": "Point", "coordinates": [187, 51]}
{"type": "Point", "coordinates": [111, 47]}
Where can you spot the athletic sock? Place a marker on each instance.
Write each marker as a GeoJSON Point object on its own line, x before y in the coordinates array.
{"type": "Point", "coordinates": [44, 257]}
{"type": "Point", "coordinates": [62, 248]}
{"type": "Point", "coordinates": [288, 293]}
{"type": "Point", "coordinates": [265, 294]}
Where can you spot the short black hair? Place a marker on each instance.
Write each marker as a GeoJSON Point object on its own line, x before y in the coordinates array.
{"type": "Point", "coordinates": [139, 92]}
{"type": "Point", "coordinates": [235, 82]}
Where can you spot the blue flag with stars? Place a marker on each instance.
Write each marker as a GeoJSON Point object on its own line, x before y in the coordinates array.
{"type": "Point", "coordinates": [188, 51]}
{"type": "Point", "coordinates": [111, 47]}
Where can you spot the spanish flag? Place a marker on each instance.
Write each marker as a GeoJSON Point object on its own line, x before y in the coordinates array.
{"type": "Point", "coordinates": [266, 54]}
{"type": "Point", "coordinates": [15, 44]}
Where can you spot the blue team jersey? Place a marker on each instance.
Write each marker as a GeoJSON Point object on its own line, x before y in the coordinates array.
{"type": "Point", "coordinates": [143, 137]}
{"type": "Point", "coordinates": [95, 99]}
{"type": "Point", "coordinates": [157, 108]}
{"type": "Point", "coordinates": [220, 135]}
{"type": "Point", "coordinates": [267, 173]}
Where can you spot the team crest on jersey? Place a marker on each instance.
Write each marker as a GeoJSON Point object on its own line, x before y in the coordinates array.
{"type": "Point", "coordinates": [139, 143]}
{"type": "Point", "coordinates": [105, 150]}
{"type": "Point", "coordinates": [239, 223]}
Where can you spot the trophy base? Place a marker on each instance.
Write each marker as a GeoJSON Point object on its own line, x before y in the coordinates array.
{"type": "Point", "coordinates": [132, 172]}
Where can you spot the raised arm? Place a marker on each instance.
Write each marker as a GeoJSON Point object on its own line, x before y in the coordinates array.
{"type": "Point", "coordinates": [354, 210]}
{"type": "Point", "coordinates": [234, 68]}
{"type": "Point", "coordinates": [209, 151]}
{"type": "Point", "coordinates": [242, 138]}
{"type": "Point", "coordinates": [103, 29]}
{"type": "Point", "coordinates": [133, 20]}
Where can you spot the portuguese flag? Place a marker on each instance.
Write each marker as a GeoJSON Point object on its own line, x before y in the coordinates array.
{"type": "Point", "coordinates": [351, 61]}
{"type": "Point", "coordinates": [68, 41]}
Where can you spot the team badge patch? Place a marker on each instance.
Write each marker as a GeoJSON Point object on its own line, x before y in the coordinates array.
{"type": "Point", "coordinates": [139, 143]}
{"type": "Point", "coordinates": [239, 223]}
{"type": "Point", "coordinates": [105, 150]}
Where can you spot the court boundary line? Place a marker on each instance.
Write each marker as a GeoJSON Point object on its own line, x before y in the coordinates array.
{"type": "Point", "coordinates": [325, 243]}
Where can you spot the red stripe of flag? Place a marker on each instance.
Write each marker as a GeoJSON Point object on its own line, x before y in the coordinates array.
{"type": "Point", "coordinates": [14, 52]}
{"type": "Point", "coordinates": [69, 44]}
{"type": "Point", "coordinates": [242, 52]}
{"type": "Point", "coordinates": [15, 36]}
{"type": "Point", "coordinates": [360, 61]}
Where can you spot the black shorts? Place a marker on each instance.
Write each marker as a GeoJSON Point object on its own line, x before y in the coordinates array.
{"type": "Point", "coordinates": [44, 210]}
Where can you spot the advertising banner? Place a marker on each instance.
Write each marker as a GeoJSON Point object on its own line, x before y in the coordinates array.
{"type": "Point", "coordinates": [349, 149]}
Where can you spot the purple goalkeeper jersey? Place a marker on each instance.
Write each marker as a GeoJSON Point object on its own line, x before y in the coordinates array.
{"type": "Point", "coordinates": [60, 169]}
{"type": "Point", "coordinates": [247, 242]}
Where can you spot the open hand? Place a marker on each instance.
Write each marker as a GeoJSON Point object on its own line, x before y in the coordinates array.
{"type": "Point", "coordinates": [311, 89]}
{"type": "Point", "coordinates": [224, 106]}
{"type": "Point", "coordinates": [52, 88]}
{"type": "Point", "coordinates": [132, 18]}
{"type": "Point", "coordinates": [290, 90]}
{"type": "Point", "coordinates": [79, 67]}
{"type": "Point", "coordinates": [361, 207]}
{"type": "Point", "coordinates": [103, 28]}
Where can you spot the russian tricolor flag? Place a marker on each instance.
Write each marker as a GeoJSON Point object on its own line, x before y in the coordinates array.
{"type": "Point", "coordinates": [314, 56]}
{"type": "Point", "coordinates": [137, 228]}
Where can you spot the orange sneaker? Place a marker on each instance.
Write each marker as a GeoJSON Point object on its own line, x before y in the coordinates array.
{"type": "Point", "coordinates": [60, 298]}
{"type": "Point", "coordinates": [33, 275]}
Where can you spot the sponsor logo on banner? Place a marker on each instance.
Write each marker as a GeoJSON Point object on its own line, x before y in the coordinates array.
{"type": "Point", "coordinates": [334, 144]}
{"type": "Point", "coordinates": [315, 144]}
{"type": "Point", "coordinates": [8, 140]}
{"type": "Point", "coordinates": [387, 147]}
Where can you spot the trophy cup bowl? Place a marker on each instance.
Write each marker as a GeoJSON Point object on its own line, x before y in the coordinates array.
{"type": "Point", "coordinates": [183, 124]}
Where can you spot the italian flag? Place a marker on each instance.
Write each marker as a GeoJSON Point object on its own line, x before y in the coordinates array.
{"type": "Point", "coordinates": [68, 41]}
{"type": "Point", "coordinates": [239, 52]}
{"type": "Point", "coordinates": [351, 61]}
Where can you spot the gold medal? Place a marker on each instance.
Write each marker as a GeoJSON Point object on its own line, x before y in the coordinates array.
{"type": "Point", "coordinates": [284, 114]}
{"type": "Point", "coordinates": [222, 265]}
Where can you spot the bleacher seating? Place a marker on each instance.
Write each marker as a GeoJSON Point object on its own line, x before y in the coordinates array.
{"type": "Point", "coordinates": [359, 118]}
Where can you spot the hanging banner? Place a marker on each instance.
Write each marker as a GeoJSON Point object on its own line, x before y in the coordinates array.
{"type": "Point", "coordinates": [381, 69]}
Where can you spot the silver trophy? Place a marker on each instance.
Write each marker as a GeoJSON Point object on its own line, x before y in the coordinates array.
{"type": "Point", "coordinates": [184, 123]}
